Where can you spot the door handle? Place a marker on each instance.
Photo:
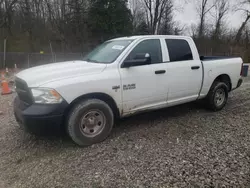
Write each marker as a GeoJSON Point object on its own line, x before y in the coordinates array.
{"type": "Point", "coordinates": [195, 67]}
{"type": "Point", "coordinates": [160, 72]}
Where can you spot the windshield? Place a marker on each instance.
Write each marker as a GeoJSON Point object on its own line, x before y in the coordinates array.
{"type": "Point", "coordinates": [107, 52]}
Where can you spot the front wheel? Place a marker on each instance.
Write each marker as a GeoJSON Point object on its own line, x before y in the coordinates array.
{"type": "Point", "coordinates": [217, 96]}
{"type": "Point", "coordinates": [90, 122]}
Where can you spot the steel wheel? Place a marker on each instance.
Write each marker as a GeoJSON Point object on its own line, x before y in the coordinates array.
{"type": "Point", "coordinates": [220, 97]}
{"type": "Point", "coordinates": [92, 123]}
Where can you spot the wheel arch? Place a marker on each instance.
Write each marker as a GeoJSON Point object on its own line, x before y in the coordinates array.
{"type": "Point", "coordinates": [101, 96]}
{"type": "Point", "coordinates": [225, 78]}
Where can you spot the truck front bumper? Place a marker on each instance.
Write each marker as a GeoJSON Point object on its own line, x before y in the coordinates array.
{"type": "Point", "coordinates": [39, 118]}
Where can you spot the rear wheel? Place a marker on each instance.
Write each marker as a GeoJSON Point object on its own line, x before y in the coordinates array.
{"type": "Point", "coordinates": [217, 96]}
{"type": "Point", "coordinates": [90, 122]}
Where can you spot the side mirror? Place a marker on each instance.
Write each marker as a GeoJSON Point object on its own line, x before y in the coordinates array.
{"type": "Point", "coordinates": [139, 60]}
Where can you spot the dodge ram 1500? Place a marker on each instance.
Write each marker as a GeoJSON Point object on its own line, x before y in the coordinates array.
{"type": "Point", "coordinates": [119, 78]}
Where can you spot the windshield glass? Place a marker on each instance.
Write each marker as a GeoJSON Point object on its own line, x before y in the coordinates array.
{"type": "Point", "coordinates": [107, 52]}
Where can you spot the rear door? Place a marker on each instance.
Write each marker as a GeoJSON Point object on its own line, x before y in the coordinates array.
{"type": "Point", "coordinates": [184, 72]}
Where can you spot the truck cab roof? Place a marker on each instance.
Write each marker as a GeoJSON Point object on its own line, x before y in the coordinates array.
{"type": "Point", "coordinates": [152, 37]}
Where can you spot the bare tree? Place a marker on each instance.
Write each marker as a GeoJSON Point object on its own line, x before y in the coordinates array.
{"type": "Point", "coordinates": [138, 14]}
{"type": "Point", "coordinates": [241, 29]}
{"type": "Point", "coordinates": [56, 13]}
{"type": "Point", "coordinates": [193, 30]}
{"type": "Point", "coordinates": [244, 7]}
{"type": "Point", "coordinates": [221, 9]}
{"type": "Point", "coordinates": [168, 25]}
{"type": "Point", "coordinates": [28, 24]}
{"type": "Point", "coordinates": [203, 9]}
{"type": "Point", "coordinates": [155, 11]}
{"type": "Point", "coordinates": [6, 16]}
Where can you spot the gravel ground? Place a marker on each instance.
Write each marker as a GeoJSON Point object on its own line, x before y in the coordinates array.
{"type": "Point", "coordinates": [183, 146]}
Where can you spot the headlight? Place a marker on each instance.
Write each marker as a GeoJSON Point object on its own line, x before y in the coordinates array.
{"type": "Point", "coordinates": [46, 96]}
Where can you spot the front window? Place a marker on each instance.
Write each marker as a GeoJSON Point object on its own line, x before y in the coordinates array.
{"type": "Point", "coordinates": [150, 46]}
{"type": "Point", "coordinates": [107, 52]}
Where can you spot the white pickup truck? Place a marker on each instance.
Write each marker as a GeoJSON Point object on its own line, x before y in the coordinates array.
{"type": "Point", "coordinates": [119, 78]}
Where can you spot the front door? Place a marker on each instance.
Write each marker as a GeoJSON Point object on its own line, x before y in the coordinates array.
{"type": "Point", "coordinates": [144, 87]}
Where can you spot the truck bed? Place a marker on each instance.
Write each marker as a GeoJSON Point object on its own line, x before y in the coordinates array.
{"type": "Point", "coordinates": [211, 58]}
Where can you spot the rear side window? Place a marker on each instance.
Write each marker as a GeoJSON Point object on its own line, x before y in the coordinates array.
{"type": "Point", "coordinates": [150, 46]}
{"type": "Point", "coordinates": [179, 50]}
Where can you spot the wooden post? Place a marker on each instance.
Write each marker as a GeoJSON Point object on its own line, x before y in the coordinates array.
{"type": "Point", "coordinates": [4, 53]}
{"type": "Point", "coordinates": [51, 49]}
{"type": "Point", "coordinates": [28, 60]}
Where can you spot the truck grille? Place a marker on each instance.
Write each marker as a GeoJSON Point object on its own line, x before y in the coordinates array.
{"type": "Point", "coordinates": [23, 91]}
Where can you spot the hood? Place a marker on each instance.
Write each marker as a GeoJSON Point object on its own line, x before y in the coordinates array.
{"type": "Point", "coordinates": [40, 75]}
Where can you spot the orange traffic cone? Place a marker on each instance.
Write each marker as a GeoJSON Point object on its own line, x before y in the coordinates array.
{"type": "Point", "coordinates": [5, 88]}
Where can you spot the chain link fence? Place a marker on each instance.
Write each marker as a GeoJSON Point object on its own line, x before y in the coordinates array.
{"type": "Point", "coordinates": [26, 60]}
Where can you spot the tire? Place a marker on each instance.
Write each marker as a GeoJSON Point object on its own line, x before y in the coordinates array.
{"type": "Point", "coordinates": [90, 122]}
{"type": "Point", "coordinates": [215, 99]}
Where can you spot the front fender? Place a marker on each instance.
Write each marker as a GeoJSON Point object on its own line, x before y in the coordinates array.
{"type": "Point", "coordinates": [72, 88]}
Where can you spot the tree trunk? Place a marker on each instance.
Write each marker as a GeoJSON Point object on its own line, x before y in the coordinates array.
{"type": "Point", "coordinates": [243, 25]}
